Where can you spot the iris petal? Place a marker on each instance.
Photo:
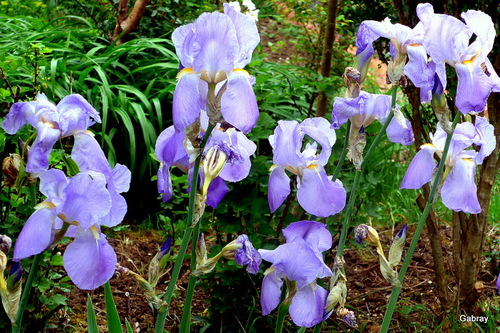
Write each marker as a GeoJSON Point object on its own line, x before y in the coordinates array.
{"type": "Point", "coordinates": [89, 262]}
{"type": "Point", "coordinates": [308, 305]}
{"type": "Point", "coordinates": [278, 189]}
{"type": "Point", "coordinates": [36, 235]}
{"type": "Point", "coordinates": [319, 195]}
{"type": "Point", "coordinates": [459, 191]}
{"type": "Point", "coordinates": [421, 168]}
{"type": "Point", "coordinates": [239, 105]}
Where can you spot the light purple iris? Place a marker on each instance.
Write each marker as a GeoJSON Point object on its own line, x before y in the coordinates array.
{"type": "Point", "coordinates": [72, 115]}
{"type": "Point", "coordinates": [247, 255]}
{"type": "Point", "coordinates": [88, 154]}
{"type": "Point", "coordinates": [300, 262]}
{"type": "Point", "coordinates": [170, 151]}
{"type": "Point", "coordinates": [82, 202]}
{"type": "Point", "coordinates": [405, 42]}
{"type": "Point", "coordinates": [316, 193]}
{"type": "Point", "coordinates": [446, 40]}
{"type": "Point", "coordinates": [213, 50]}
{"type": "Point", "coordinates": [365, 109]}
{"type": "Point", "coordinates": [459, 191]}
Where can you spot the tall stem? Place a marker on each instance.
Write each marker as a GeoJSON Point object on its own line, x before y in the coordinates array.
{"type": "Point", "coordinates": [160, 320]}
{"type": "Point", "coordinates": [26, 293]}
{"type": "Point", "coordinates": [395, 291]}
{"type": "Point", "coordinates": [186, 313]}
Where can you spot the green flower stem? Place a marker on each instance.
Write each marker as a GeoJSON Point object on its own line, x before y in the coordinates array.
{"type": "Point", "coordinates": [160, 319]}
{"type": "Point", "coordinates": [26, 292]}
{"type": "Point", "coordinates": [357, 176]}
{"type": "Point", "coordinates": [186, 313]}
{"type": "Point", "coordinates": [344, 152]}
{"type": "Point", "coordinates": [435, 184]}
{"type": "Point", "coordinates": [282, 311]}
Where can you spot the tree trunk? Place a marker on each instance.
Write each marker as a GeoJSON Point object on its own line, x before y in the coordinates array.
{"type": "Point", "coordinates": [125, 25]}
{"type": "Point", "coordinates": [326, 56]}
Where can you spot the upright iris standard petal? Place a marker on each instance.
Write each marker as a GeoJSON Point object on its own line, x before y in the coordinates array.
{"type": "Point", "coordinates": [287, 143]}
{"type": "Point", "coordinates": [298, 262]}
{"type": "Point", "coordinates": [398, 134]}
{"type": "Point", "coordinates": [313, 233]}
{"type": "Point", "coordinates": [52, 184]}
{"type": "Point", "coordinates": [36, 235]}
{"type": "Point", "coordinates": [239, 105]}
{"type": "Point", "coordinates": [308, 305]}
{"type": "Point", "coordinates": [89, 260]}
{"type": "Point", "coordinates": [485, 138]}
{"type": "Point", "coordinates": [38, 155]}
{"type": "Point", "coordinates": [246, 33]}
{"type": "Point", "coordinates": [318, 194]}
{"type": "Point", "coordinates": [87, 201]}
{"type": "Point", "coordinates": [76, 115]}
{"type": "Point", "coordinates": [218, 45]}
{"type": "Point", "coordinates": [18, 116]}
{"type": "Point", "coordinates": [319, 129]}
{"type": "Point", "coordinates": [459, 191]}
{"type": "Point", "coordinates": [90, 158]}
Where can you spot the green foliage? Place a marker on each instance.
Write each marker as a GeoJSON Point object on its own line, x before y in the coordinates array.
{"type": "Point", "coordinates": [91, 318]}
{"type": "Point", "coordinates": [112, 316]}
{"type": "Point", "coordinates": [128, 84]}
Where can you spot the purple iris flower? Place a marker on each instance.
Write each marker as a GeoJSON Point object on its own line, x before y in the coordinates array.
{"type": "Point", "coordinates": [213, 50]}
{"type": "Point", "coordinates": [405, 43]}
{"type": "Point", "coordinates": [72, 115]}
{"type": "Point", "coordinates": [365, 109]}
{"type": "Point", "coordinates": [82, 202]}
{"type": "Point", "coordinates": [299, 261]}
{"type": "Point", "coordinates": [171, 151]}
{"type": "Point", "coordinates": [316, 193]}
{"type": "Point", "coordinates": [446, 40]}
{"type": "Point", "coordinates": [459, 191]}
{"type": "Point", "coordinates": [247, 255]}
{"type": "Point", "coordinates": [88, 154]}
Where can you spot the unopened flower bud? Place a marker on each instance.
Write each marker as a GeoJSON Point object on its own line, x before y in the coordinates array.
{"type": "Point", "coordinates": [165, 248]}
{"type": "Point", "coordinates": [357, 143]}
{"type": "Point", "coordinates": [201, 250]}
{"type": "Point", "coordinates": [367, 233]}
{"type": "Point", "coordinates": [5, 243]}
{"type": "Point", "coordinates": [352, 79]}
{"type": "Point", "coordinates": [15, 274]}
{"type": "Point", "coordinates": [396, 250]}
{"type": "Point", "coordinates": [10, 167]}
{"type": "Point", "coordinates": [157, 265]}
